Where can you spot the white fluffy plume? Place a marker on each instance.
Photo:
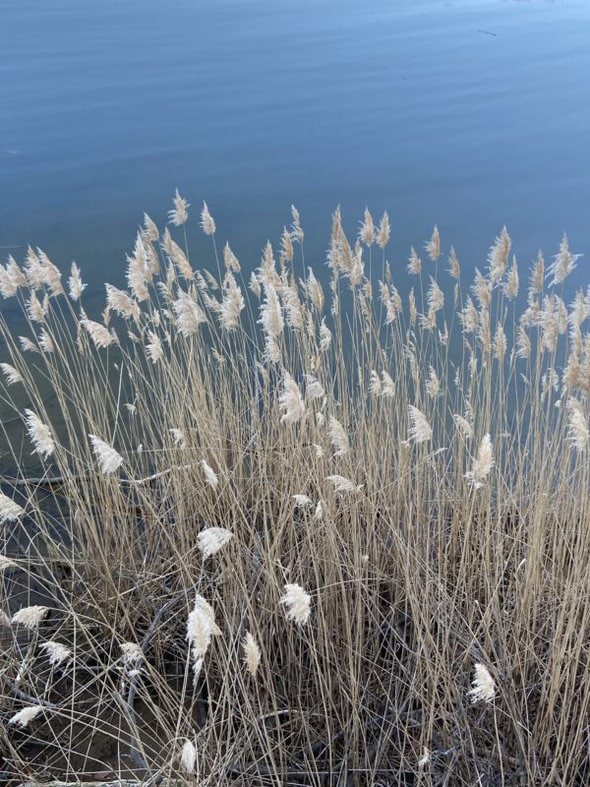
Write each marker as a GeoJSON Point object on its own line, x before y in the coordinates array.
{"type": "Point", "coordinates": [108, 459]}
{"type": "Point", "coordinates": [212, 539]}
{"type": "Point", "coordinates": [291, 401]}
{"type": "Point", "coordinates": [40, 435]}
{"type": "Point", "coordinates": [297, 603]}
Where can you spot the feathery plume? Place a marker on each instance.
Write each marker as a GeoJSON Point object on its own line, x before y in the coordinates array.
{"type": "Point", "coordinates": [375, 384]}
{"type": "Point", "coordinates": [383, 231]}
{"type": "Point", "coordinates": [469, 317]}
{"type": "Point", "coordinates": [338, 437]}
{"type": "Point", "coordinates": [511, 284]}
{"type": "Point", "coordinates": [537, 278]}
{"type": "Point", "coordinates": [207, 223]}
{"type": "Point", "coordinates": [433, 245]}
{"type": "Point", "coordinates": [108, 459]}
{"type": "Point", "coordinates": [251, 654]}
{"type": "Point", "coordinates": [292, 306]}
{"type": "Point", "coordinates": [414, 262]}
{"type": "Point", "coordinates": [463, 426]}
{"type": "Point", "coordinates": [387, 385]}
{"type": "Point", "coordinates": [33, 270]}
{"type": "Point", "coordinates": [392, 301]}
{"type": "Point", "coordinates": [211, 476]}
{"type": "Point", "coordinates": [12, 375]}
{"type": "Point", "coordinates": [11, 278]}
{"type": "Point", "coordinates": [563, 263]}
{"type": "Point", "coordinates": [342, 484]}
{"type": "Point", "coordinates": [291, 400]}
{"type": "Point", "coordinates": [46, 342]}
{"type": "Point", "coordinates": [498, 256]}
{"type": "Point", "coordinates": [578, 432]}
{"type": "Point", "coordinates": [454, 267]}
{"type": "Point", "coordinates": [297, 602]}
{"type": "Point", "coordinates": [50, 273]}
{"type": "Point", "coordinates": [325, 337]}
{"type": "Point", "coordinates": [57, 652]}
{"type": "Point", "coordinates": [75, 285]}
{"type": "Point", "coordinates": [232, 303]}
{"type": "Point", "coordinates": [179, 213]}
{"type": "Point", "coordinates": [254, 284]}
{"type": "Point", "coordinates": [212, 539]}
{"type": "Point", "coordinates": [482, 464]}
{"type": "Point", "coordinates": [287, 251]}
{"type": "Point", "coordinates": [420, 429]}
{"type": "Point", "coordinates": [177, 256]}
{"type": "Point", "coordinates": [482, 289]}
{"type": "Point", "coordinates": [30, 617]}
{"type": "Point", "coordinates": [296, 230]}
{"type": "Point", "coordinates": [433, 384]}
{"type": "Point", "coordinates": [150, 229]}
{"type": "Point", "coordinates": [314, 291]}
{"type": "Point", "coordinates": [484, 687]}
{"type": "Point", "coordinates": [367, 230]}
{"type": "Point", "coordinates": [189, 314]}
{"type": "Point", "coordinates": [435, 297]}
{"type": "Point", "coordinates": [122, 303]}
{"type": "Point", "coordinates": [132, 656]}
{"type": "Point", "coordinates": [35, 309]}
{"type": "Point", "coordinates": [200, 627]}
{"type": "Point", "coordinates": [138, 273]}
{"type": "Point", "coordinates": [313, 387]}
{"type": "Point", "coordinates": [40, 435]}
{"type": "Point", "coordinates": [232, 263]}
{"type": "Point", "coordinates": [271, 317]}
{"type": "Point", "coordinates": [100, 335]}
{"type": "Point", "coordinates": [154, 349]}
{"type": "Point", "coordinates": [188, 757]}
{"type": "Point", "coordinates": [9, 510]}
{"type": "Point", "coordinates": [319, 511]}
{"type": "Point", "coordinates": [500, 343]}
{"type": "Point", "coordinates": [25, 716]}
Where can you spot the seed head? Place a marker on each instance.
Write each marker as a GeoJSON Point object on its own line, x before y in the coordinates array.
{"type": "Point", "coordinates": [212, 539]}
{"type": "Point", "coordinates": [484, 688]}
{"type": "Point", "coordinates": [297, 602]}
{"type": "Point", "coordinates": [179, 213]}
{"type": "Point", "coordinates": [251, 654]}
{"type": "Point", "coordinates": [9, 510]}
{"type": "Point", "coordinates": [188, 757]}
{"type": "Point", "coordinates": [207, 223]}
{"type": "Point", "coordinates": [57, 652]}
{"type": "Point", "coordinates": [40, 435]}
{"type": "Point", "coordinates": [483, 464]}
{"type": "Point", "coordinates": [30, 617]}
{"type": "Point", "coordinates": [291, 401]}
{"type": "Point", "coordinates": [26, 715]}
{"type": "Point", "coordinates": [109, 460]}
{"type": "Point", "coordinates": [342, 484]}
{"type": "Point", "coordinates": [420, 429]}
{"type": "Point", "coordinates": [211, 476]}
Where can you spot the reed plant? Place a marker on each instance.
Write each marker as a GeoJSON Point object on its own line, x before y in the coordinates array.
{"type": "Point", "coordinates": [297, 528]}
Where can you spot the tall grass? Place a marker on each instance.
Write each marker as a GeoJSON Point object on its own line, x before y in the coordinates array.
{"type": "Point", "coordinates": [286, 533]}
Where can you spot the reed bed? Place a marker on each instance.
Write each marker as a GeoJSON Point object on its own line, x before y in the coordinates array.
{"type": "Point", "coordinates": [292, 528]}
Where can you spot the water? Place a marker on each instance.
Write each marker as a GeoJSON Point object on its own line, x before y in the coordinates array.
{"type": "Point", "coordinates": [469, 114]}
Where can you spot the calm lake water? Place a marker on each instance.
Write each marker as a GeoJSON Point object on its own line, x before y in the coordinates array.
{"type": "Point", "coordinates": [467, 113]}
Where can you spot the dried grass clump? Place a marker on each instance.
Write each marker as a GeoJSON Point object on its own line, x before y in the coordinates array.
{"type": "Point", "coordinates": [261, 528]}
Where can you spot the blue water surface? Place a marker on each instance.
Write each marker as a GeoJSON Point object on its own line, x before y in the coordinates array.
{"type": "Point", "coordinates": [468, 114]}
